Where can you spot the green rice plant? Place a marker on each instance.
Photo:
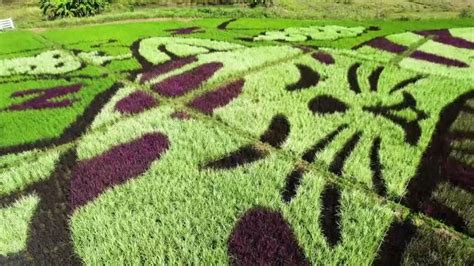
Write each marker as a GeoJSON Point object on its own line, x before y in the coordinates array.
{"type": "Point", "coordinates": [49, 109]}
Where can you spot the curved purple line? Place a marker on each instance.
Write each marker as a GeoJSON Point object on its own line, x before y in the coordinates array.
{"type": "Point", "coordinates": [445, 37]}
{"type": "Point", "coordinates": [166, 67]}
{"type": "Point", "coordinates": [92, 177]}
{"type": "Point", "coordinates": [179, 85]}
{"type": "Point", "coordinates": [136, 102]}
{"type": "Point", "coordinates": [385, 44]}
{"type": "Point", "coordinates": [220, 97]}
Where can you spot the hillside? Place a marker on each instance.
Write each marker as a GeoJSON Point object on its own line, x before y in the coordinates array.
{"type": "Point", "coordinates": [28, 14]}
{"type": "Point", "coordinates": [375, 9]}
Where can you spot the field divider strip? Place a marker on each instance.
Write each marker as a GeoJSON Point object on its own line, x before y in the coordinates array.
{"type": "Point", "coordinates": [412, 48]}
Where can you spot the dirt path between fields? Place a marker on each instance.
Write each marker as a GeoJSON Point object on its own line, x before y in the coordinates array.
{"type": "Point", "coordinates": [136, 20]}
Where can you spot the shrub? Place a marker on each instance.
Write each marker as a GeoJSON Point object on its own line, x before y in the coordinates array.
{"type": "Point", "coordinates": [254, 3]}
{"type": "Point", "coordinates": [71, 8]}
{"type": "Point", "coordinates": [466, 13]}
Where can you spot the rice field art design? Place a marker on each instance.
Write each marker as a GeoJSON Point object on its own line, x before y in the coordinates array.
{"type": "Point", "coordinates": [328, 32]}
{"type": "Point", "coordinates": [184, 144]}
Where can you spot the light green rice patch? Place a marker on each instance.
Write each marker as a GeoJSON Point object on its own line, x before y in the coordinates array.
{"type": "Point", "coordinates": [470, 103]}
{"type": "Point", "coordinates": [126, 65]}
{"type": "Point", "coordinates": [185, 49]}
{"type": "Point", "coordinates": [330, 32]}
{"type": "Point", "coordinates": [406, 38]}
{"type": "Point", "coordinates": [366, 53]}
{"type": "Point", "coordinates": [464, 55]}
{"type": "Point", "coordinates": [27, 170]}
{"type": "Point", "coordinates": [465, 33]}
{"type": "Point", "coordinates": [96, 59]}
{"type": "Point", "coordinates": [364, 222]}
{"type": "Point", "coordinates": [43, 63]}
{"type": "Point", "coordinates": [149, 47]}
{"type": "Point", "coordinates": [463, 157]}
{"type": "Point", "coordinates": [14, 221]}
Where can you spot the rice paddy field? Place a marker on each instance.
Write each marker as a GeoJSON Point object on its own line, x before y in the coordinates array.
{"type": "Point", "coordinates": [238, 141]}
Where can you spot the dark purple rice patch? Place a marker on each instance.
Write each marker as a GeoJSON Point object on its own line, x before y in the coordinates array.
{"type": "Point", "coordinates": [353, 79]}
{"type": "Point", "coordinates": [310, 154]}
{"type": "Point", "coordinates": [278, 131]}
{"type": "Point", "coordinates": [403, 84]}
{"type": "Point", "coordinates": [374, 78]}
{"type": "Point", "coordinates": [184, 31]}
{"type": "Point", "coordinates": [396, 240]}
{"type": "Point", "coordinates": [460, 174]}
{"type": "Point", "coordinates": [326, 104]}
{"type": "Point", "coordinates": [181, 84]}
{"type": "Point", "coordinates": [44, 98]}
{"type": "Point", "coordinates": [330, 218]}
{"type": "Point", "coordinates": [166, 67]}
{"type": "Point", "coordinates": [343, 154]}
{"type": "Point", "coordinates": [433, 58]}
{"type": "Point", "coordinates": [445, 214]}
{"type": "Point", "coordinates": [308, 78]}
{"type": "Point", "coordinates": [324, 58]}
{"type": "Point", "coordinates": [93, 176]}
{"type": "Point", "coordinates": [136, 102]}
{"type": "Point", "coordinates": [263, 237]}
{"type": "Point", "coordinates": [293, 181]}
{"type": "Point", "coordinates": [385, 44]}
{"type": "Point", "coordinates": [181, 115]}
{"type": "Point", "coordinates": [220, 97]}
{"type": "Point", "coordinates": [244, 155]}
{"type": "Point", "coordinates": [445, 37]}
{"type": "Point", "coordinates": [376, 168]}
